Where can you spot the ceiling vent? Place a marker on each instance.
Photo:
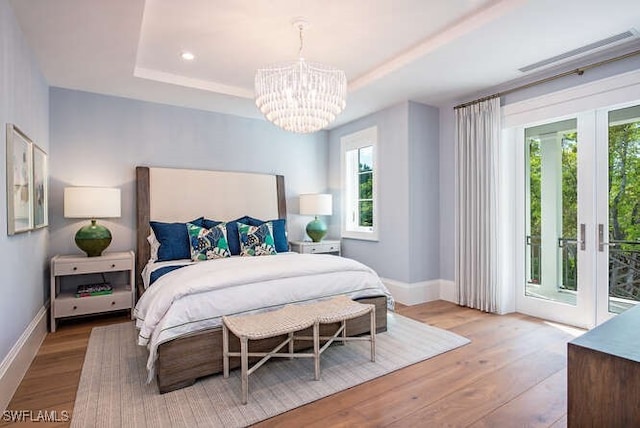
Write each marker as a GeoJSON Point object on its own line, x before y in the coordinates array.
{"type": "Point", "coordinates": [599, 45]}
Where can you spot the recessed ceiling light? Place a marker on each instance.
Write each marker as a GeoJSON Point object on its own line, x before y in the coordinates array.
{"type": "Point", "coordinates": [187, 56]}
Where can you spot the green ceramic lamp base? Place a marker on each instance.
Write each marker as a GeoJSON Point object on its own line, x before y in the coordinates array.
{"type": "Point", "coordinates": [316, 229]}
{"type": "Point", "coordinates": [93, 239]}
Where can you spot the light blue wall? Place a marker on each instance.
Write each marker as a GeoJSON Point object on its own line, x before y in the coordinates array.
{"type": "Point", "coordinates": [23, 258]}
{"type": "Point", "coordinates": [407, 247]}
{"type": "Point", "coordinates": [447, 192]}
{"type": "Point", "coordinates": [387, 256]}
{"type": "Point", "coordinates": [97, 140]}
{"type": "Point", "coordinates": [424, 190]}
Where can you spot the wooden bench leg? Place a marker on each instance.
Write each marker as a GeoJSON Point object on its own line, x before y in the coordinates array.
{"type": "Point", "coordinates": [225, 350]}
{"type": "Point", "coordinates": [316, 349]}
{"type": "Point", "coordinates": [291, 338]}
{"type": "Point", "coordinates": [373, 333]}
{"type": "Point", "coordinates": [244, 367]}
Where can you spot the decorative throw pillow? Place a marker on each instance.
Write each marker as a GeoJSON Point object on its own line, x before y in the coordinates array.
{"type": "Point", "coordinates": [207, 244]}
{"type": "Point", "coordinates": [256, 240]}
{"type": "Point", "coordinates": [279, 232]}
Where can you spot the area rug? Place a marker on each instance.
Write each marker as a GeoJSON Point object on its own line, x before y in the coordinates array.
{"type": "Point", "coordinates": [113, 391]}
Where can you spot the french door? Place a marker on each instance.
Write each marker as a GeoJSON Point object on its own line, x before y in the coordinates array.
{"type": "Point", "coordinates": [581, 226]}
{"type": "Point", "coordinates": [617, 235]}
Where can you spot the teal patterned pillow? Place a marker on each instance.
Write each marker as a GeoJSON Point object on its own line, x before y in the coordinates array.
{"type": "Point", "coordinates": [256, 240]}
{"type": "Point", "coordinates": [207, 244]}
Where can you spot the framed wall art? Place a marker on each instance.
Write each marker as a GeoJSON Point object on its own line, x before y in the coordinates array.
{"type": "Point", "coordinates": [19, 181]}
{"type": "Point", "coordinates": [40, 188]}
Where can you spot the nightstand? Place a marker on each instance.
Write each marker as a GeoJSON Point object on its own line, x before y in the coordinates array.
{"type": "Point", "coordinates": [322, 247]}
{"type": "Point", "coordinates": [69, 272]}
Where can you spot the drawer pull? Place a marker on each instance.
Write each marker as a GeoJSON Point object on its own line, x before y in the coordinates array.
{"type": "Point", "coordinates": [313, 249]}
{"type": "Point", "coordinates": [113, 303]}
{"type": "Point", "coordinates": [75, 268]}
{"type": "Point", "coordinates": [113, 265]}
{"type": "Point", "coordinates": [75, 307]}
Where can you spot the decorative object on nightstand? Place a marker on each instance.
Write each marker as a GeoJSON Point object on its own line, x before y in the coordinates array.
{"type": "Point", "coordinates": [93, 203]}
{"type": "Point", "coordinates": [325, 247]}
{"type": "Point", "coordinates": [316, 204]}
{"type": "Point", "coordinates": [83, 286]}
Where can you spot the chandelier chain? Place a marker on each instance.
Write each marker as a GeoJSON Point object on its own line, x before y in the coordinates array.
{"type": "Point", "coordinates": [301, 30]}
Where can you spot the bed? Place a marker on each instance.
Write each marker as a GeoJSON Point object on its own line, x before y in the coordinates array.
{"type": "Point", "coordinates": [179, 356]}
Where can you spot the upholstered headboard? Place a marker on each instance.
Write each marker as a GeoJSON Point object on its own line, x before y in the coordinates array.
{"type": "Point", "coordinates": [178, 195]}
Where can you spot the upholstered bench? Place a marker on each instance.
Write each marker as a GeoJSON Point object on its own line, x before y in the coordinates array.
{"type": "Point", "coordinates": [287, 321]}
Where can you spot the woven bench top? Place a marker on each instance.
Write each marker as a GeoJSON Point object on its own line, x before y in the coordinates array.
{"type": "Point", "coordinates": [295, 317]}
{"type": "Point", "coordinates": [339, 308]}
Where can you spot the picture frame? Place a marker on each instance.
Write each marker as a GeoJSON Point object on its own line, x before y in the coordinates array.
{"type": "Point", "coordinates": [19, 181]}
{"type": "Point", "coordinates": [40, 188]}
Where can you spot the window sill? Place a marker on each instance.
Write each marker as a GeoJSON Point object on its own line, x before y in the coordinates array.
{"type": "Point", "coordinates": [359, 236]}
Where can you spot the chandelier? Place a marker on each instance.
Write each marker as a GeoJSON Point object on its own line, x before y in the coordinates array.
{"type": "Point", "coordinates": [300, 96]}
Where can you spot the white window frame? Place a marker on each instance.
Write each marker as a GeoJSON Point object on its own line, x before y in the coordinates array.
{"type": "Point", "coordinates": [366, 137]}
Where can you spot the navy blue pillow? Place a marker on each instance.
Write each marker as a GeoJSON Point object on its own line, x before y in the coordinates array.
{"type": "Point", "coordinates": [210, 224]}
{"type": "Point", "coordinates": [232, 235]}
{"type": "Point", "coordinates": [279, 232]}
{"type": "Point", "coordinates": [173, 239]}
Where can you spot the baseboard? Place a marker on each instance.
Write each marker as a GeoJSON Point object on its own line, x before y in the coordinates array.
{"type": "Point", "coordinates": [17, 362]}
{"type": "Point", "coordinates": [414, 293]}
{"type": "Point", "coordinates": [421, 292]}
{"type": "Point", "coordinates": [448, 291]}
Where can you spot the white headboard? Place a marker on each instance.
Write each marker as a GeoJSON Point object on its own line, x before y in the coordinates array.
{"type": "Point", "coordinates": [185, 194]}
{"type": "Point", "coordinates": [179, 195]}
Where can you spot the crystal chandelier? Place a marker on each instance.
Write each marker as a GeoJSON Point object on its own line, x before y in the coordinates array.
{"type": "Point", "coordinates": [300, 96]}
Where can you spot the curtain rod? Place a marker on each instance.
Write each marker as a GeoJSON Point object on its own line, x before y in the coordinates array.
{"type": "Point", "coordinates": [579, 71]}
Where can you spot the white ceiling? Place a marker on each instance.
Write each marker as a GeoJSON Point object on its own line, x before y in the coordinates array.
{"type": "Point", "coordinates": [431, 51]}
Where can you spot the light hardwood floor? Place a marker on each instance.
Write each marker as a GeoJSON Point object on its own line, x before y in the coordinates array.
{"type": "Point", "coordinates": [512, 374]}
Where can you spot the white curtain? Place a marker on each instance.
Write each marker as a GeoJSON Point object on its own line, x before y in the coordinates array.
{"type": "Point", "coordinates": [477, 151]}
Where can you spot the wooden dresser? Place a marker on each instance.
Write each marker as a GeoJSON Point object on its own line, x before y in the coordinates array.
{"type": "Point", "coordinates": [604, 374]}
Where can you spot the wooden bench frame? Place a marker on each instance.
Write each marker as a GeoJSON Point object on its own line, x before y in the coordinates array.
{"type": "Point", "coordinates": [289, 320]}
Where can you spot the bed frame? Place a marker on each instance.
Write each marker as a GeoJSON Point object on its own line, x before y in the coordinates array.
{"type": "Point", "coordinates": [167, 194]}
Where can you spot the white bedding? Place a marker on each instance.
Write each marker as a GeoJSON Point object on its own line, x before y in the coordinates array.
{"type": "Point", "coordinates": [194, 297]}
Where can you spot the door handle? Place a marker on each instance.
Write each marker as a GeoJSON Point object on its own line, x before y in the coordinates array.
{"type": "Point", "coordinates": [601, 242]}
{"type": "Point", "coordinates": [579, 242]}
{"type": "Point", "coordinates": [583, 237]}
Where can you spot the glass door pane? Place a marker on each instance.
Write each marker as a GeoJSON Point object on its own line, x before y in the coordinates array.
{"type": "Point", "coordinates": [622, 240]}
{"type": "Point", "coordinates": [552, 211]}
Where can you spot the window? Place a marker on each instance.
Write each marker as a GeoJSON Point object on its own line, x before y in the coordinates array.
{"type": "Point", "coordinates": [359, 180]}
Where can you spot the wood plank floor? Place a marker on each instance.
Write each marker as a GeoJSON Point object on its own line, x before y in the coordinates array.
{"type": "Point", "coordinates": [512, 374]}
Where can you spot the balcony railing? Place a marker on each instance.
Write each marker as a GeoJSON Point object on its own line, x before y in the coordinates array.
{"type": "Point", "coordinates": [624, 270]}
{"type": "Point", "coordinates": [569, 247]}
{"type": "Point", "coordinates": [624, 266]}
{"type": "Point", "coordinates": [534, 247]}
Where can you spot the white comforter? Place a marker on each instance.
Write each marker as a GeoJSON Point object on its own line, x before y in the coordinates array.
{"type": "Point", "coordinates": [194, 297]}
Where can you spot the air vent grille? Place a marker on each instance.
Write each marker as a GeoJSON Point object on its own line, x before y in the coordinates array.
{"type": "Point", "coordinates": [581, 50]}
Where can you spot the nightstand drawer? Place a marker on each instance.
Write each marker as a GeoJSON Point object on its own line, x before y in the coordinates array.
{"type": "Point", "coordinates": [89, 266]}
{"type": "Point", "coordinates": [69, 305]}
{"type": "Point", "coordinates": [322, 248]}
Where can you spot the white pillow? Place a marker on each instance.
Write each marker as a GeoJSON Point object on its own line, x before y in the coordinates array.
{"type": "Point", "coordinates": [155, 246]}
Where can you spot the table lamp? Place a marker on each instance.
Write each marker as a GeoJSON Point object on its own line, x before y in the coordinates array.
{"type": "Point", "coordinates": [93, 203]}
{"type": "Point", "coordinates": [316, 204]}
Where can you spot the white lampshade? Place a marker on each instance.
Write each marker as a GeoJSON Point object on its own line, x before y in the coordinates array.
{"type": "Point", "coordinates": [316, 204]}
{"type": "Point", "coordinates": [91, 202]}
